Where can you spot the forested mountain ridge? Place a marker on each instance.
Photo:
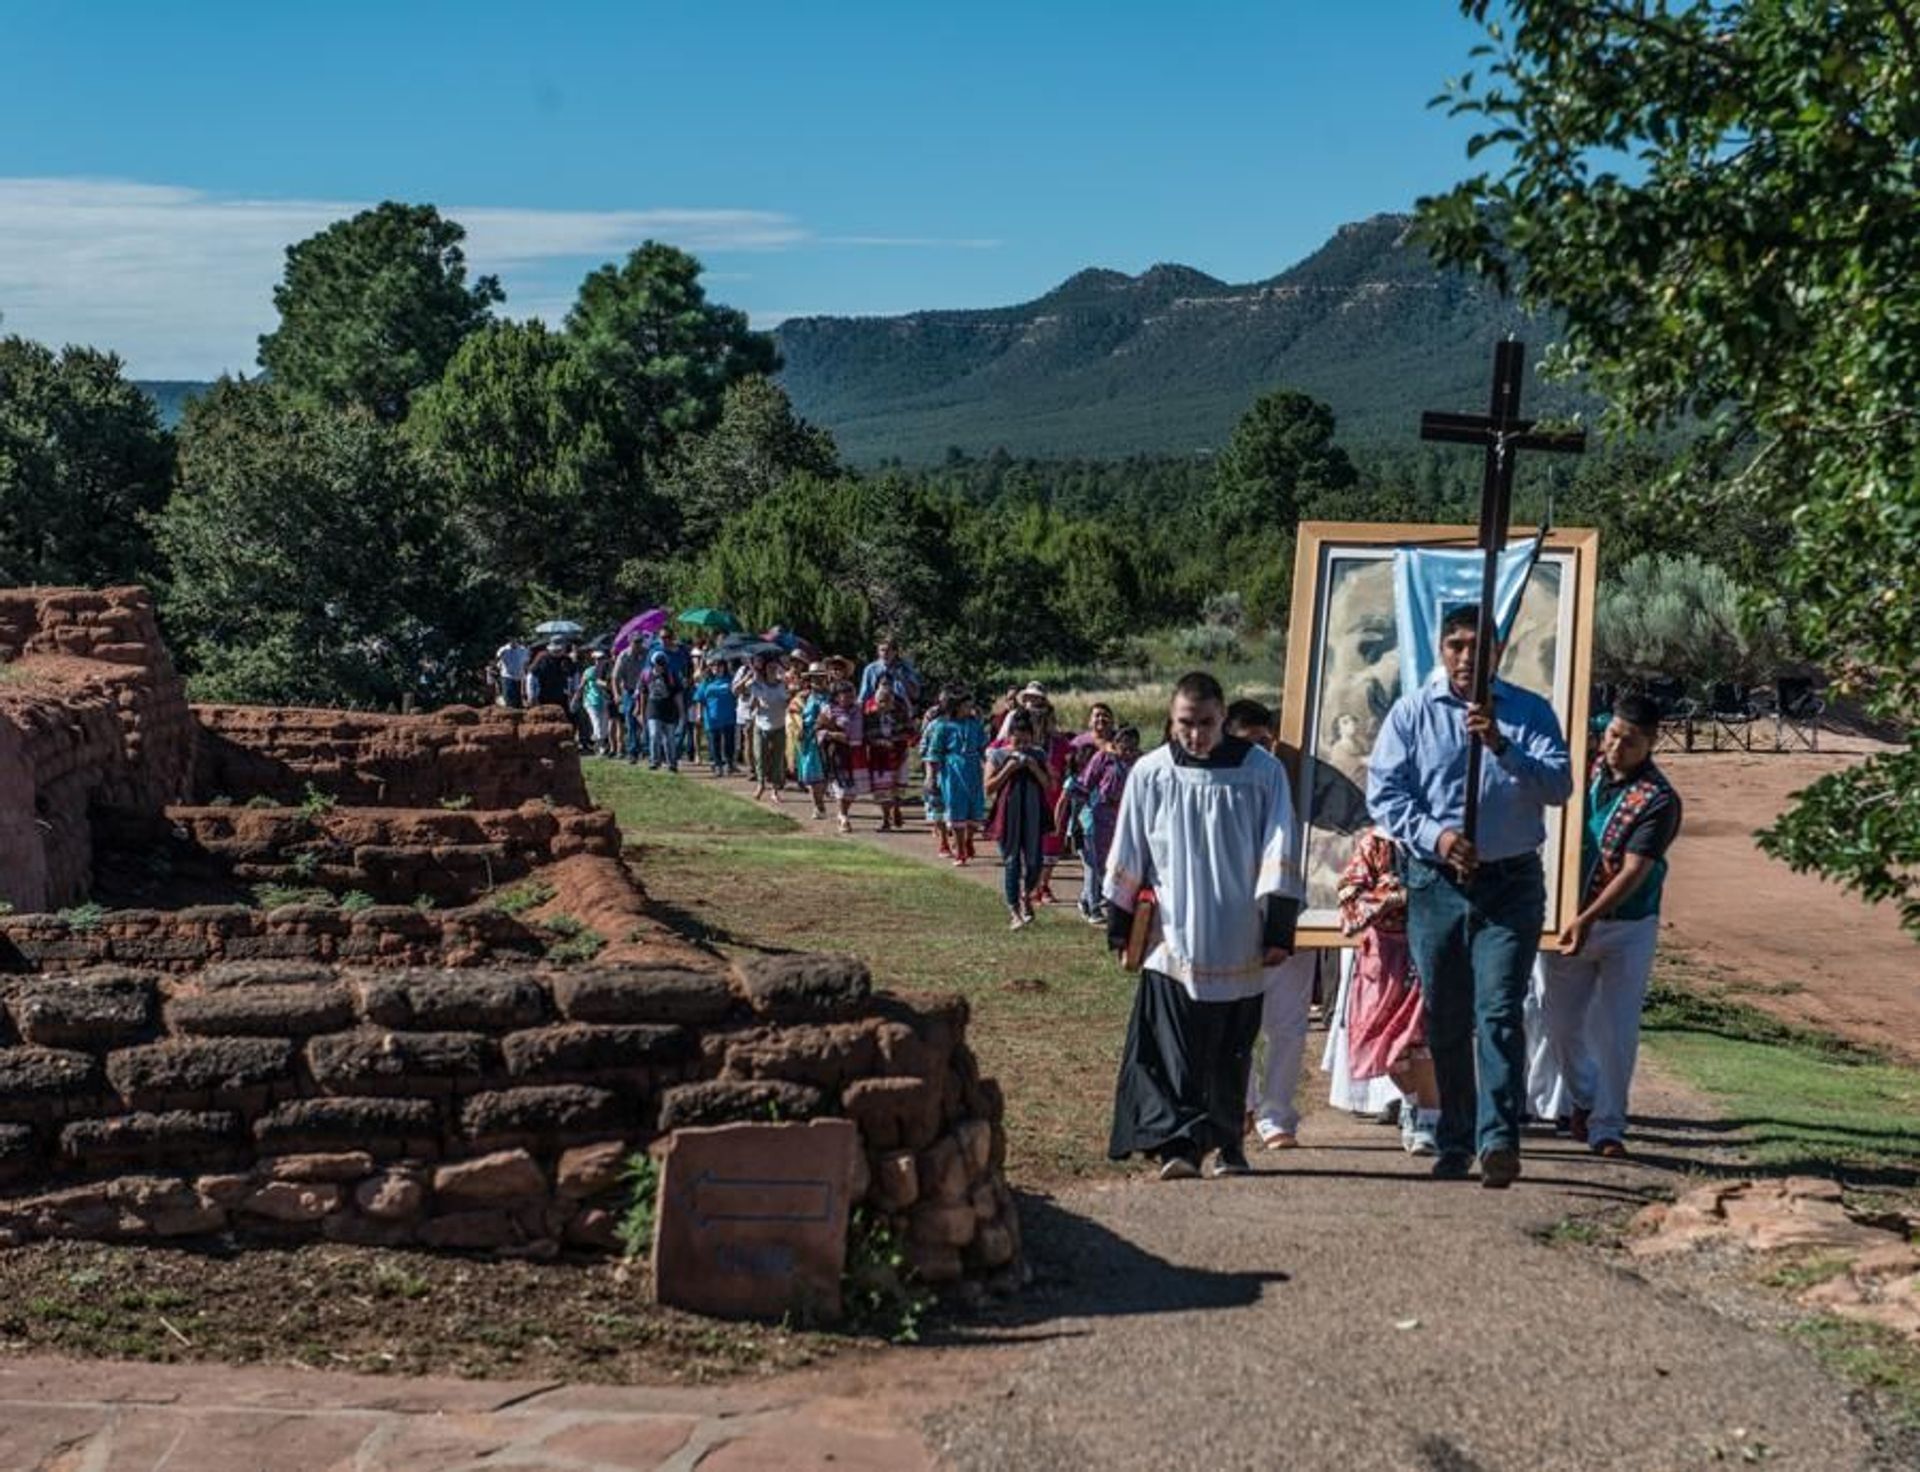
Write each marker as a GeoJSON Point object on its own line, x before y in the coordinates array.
{"type": "Point", "coordinates": [1164, 362]}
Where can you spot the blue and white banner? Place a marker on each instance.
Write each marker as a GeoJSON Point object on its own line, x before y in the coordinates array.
{"type": "Point", "coordinates": [1427, 581]}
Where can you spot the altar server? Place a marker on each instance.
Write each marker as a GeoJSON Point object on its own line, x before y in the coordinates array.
{"type": "Point", "coordinates": [1206, 821]}
{"type": "Point", "coordinates": [1597, 984]}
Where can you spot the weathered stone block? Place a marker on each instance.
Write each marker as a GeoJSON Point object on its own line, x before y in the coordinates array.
{"type": "Point", "coordinates": [642, 994]}
{"type": "Point", "coordinates": [894, 1113]}
{"type": "Point", "coordinates": [198, 1065]}
{"type": "Point", "coordinates": [327, 1166]}
{"type": "Point", "coordinates": [587, 1170]}
{"type": "Point", "coordinates": [432, 1001]}
{"type": "Point", "coordinates": [975, 1139]}
{"type": "Point", "coordinates": [293, 1201]}
{"type": "Point", "coordinates": [392, 1196]}
{"type": "Point", "coordinates": [505, 1176]}
{"type": "Point", "coordinates": [594, 1228]}
{"type": "Point", "coordinates": [994, 1245]}
{"type": "Point", "coordinates": [826, 1057]}
{"type": "Point", "coordinates": [539, 1111]}
{"type": "Point", "coordinates": [224, 974]}
{"type": "Point", "coordinates": [934, 1262]}
{"type": "Point", "coordinates": [583, 1048]}
{"type": "Point", "coordinates": [19, 1153]}
{"type": "Point", "coordinates": [728, 1101]}
{"type": "Point", "coordinates": [896, 1180]}
{"type": "Point", "coordinates": [263, 1011]}
{"type": "Point", "coordinates": [940, 1224]}
{"type": "Point", "coordinates": [381, 1126]}
{"type": "Point", "coordinates": [96, 1008]}
{"type": "Point", "coordinates": [31, 1079]}
{"type": "Point", "coordinates": [943, 1173]}
{"type": "Point", "coordinates": [371, 1059]}
{"type": "Point", "coordinates": [804, 988]}
{"type": "Point", "coordinates": [175, 1137]}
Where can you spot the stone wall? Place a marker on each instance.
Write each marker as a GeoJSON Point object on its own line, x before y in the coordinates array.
{"type": "Point", "coordinates": [488, 1109]}
{"type": "Point", "coordinates": [484, 759]}
{"type": "Point", "coordinates": [93, 720]}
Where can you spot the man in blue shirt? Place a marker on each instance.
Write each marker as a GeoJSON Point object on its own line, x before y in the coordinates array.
{"type": "Point", "coordinates": [897, 672]}
{"type": "Point", "coordinates": [1475, 904]}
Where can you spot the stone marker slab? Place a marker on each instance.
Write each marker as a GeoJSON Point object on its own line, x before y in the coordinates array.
{"type": "Point", "coordinates": [752, 1218]}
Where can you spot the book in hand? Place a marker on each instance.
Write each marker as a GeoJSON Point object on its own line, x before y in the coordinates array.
{"type": "Point", "coordinates": [1141, 936]}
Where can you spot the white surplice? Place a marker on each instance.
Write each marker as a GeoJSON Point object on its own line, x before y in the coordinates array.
{"type": "Point", "coordinates": [1214, 843]}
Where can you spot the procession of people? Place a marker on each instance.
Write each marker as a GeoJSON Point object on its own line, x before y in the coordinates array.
{"type": "Point", "coordinates": [1190, 856]}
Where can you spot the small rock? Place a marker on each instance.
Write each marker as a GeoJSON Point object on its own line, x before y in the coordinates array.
{"type": "Point", "coordinates": [587, 1170]}
{"type": "Point", "coordinates": [501, 1176]}
{"type": "Point", "coordinates": [346, 1165]}
{"type": "Point", "coordinates": [292, 1201]}
{"type": "Point", "coordinates": [391, 1197]}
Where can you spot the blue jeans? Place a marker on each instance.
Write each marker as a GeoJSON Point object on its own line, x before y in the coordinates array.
{"type": "Point", "coordinates": [1474, 947]}
{"type": "Point", "coordinates": [663, 743]}
{"type": "Point", "coordinates": [636, 735]}
{"type": "Point", "coordinates": [722, 747]}
{"type": "Point", "coordinates": [1020, 868]}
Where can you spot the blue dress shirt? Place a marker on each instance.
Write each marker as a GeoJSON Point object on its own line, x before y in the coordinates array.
{"type": "Point", "coordinates": [1417, 772]}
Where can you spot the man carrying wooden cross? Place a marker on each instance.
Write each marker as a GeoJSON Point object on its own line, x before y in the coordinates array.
{"type": "Point", "coordinates": [1475, 906]}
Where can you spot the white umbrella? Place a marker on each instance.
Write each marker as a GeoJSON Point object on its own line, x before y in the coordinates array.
{"type": "Point", "coordinates": [559, 628]}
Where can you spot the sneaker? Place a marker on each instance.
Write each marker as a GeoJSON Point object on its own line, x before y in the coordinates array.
{"type": "Point", "coordinates": [1452, 1167]}
{"type": "Point", "coordinates": [1017, 921]}
{"type": "Point", "coordinates": [1421, 1139]}
{"type": "Point", "coordinates": [1179, 1163]}
{"type": "Point", "coordinates": [1499, 1168]}
{"type": "Point", "coordinates": [1230, 1160]}
{"type": "Point", "coordinates": [1279, 1140]}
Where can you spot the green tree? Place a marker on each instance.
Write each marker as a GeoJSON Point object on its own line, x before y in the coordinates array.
{"type": "Point", "coordinates": [757, 444]}
{"type": "Point", "coordinates": [314, 561]}
{"type": "Point", "coordinates": [1281, 451]}
{"type": "Point", "coordinates": [83, 461]}
{"type": "Point", "coordinates": [514, 436]}
{"type": "Point", "coordinates": [664, 354]}
{"type": "Point", "coordinates": [372, 309]}
{"type": "Point", "coordinates": [1718, 198]}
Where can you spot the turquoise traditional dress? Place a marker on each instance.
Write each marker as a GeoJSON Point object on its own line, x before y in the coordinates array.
{"type": "Point", "coordinates": [960, 746]}
{"type": "Point", "coordinates": [809, 765]}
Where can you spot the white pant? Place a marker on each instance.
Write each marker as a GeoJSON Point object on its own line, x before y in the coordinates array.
{"type": "Point", "coordinates": [1283, 1018]}
{"type": "Point", "coordinates": [1365, 1096]}
{"type": "Point", "coordinates": [1591, 1010]}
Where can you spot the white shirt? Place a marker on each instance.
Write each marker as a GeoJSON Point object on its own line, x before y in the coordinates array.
{"type": "Point", "coordinates": [1213, 842]}
{"type": "Point", "coordinates": [768, 701]}
{"type": "Point", "coordinates": [512, 661]}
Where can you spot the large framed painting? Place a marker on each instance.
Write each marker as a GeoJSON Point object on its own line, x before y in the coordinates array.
{"type": "Point", "coordinates": [1343, 673]}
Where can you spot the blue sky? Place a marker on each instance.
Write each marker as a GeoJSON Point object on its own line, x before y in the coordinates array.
{"type": "Point", "coordinates": [847, 158]}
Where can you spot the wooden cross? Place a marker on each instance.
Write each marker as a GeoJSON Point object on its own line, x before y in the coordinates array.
{"type": "Point", "coordinates": [1501, 432]}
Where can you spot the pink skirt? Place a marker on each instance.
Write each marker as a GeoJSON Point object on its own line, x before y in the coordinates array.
{"type": "Point", "coordinates": [1386, 1022]}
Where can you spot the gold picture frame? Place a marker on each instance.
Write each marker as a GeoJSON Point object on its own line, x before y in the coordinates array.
{"type": "Point", "coordinates": [1343, 672]}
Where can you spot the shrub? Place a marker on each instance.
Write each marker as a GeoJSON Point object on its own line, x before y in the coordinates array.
{"type": "Point", "coordinates": [84, 917]}
{"type": "Point", "coordinates": [634, 1230]}
{"type": "Point", "coordinates": [1208, 643]}
{"type": "Point", "coordinates": [522, 897]}
{"type": "Point", "coordinates": [354, 901]}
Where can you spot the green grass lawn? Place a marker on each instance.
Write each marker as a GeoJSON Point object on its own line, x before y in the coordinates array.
{"type": "Point", "coordinates": [1049, 1007]}
{"type": "Point", "coordinates": [1801, 1100]}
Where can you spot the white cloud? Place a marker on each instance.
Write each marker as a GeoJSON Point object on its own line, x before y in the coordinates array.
{"type": "Point", "coordinates": [179, 282]}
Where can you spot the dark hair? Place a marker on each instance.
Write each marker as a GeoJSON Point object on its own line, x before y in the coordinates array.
{"type": "Point", "coordinates": [1638, 710]}
{"type": "Point", "coordinates": [1019, 720]}
{"type": "Point", "coordinates": [1199, 686]}
{"type": "Point", "coordinates": [1126, 734]}
{"type": "Point", "coordinates": [1249, 714]}
{"type": "Point", "coordinates": [1460, 616]}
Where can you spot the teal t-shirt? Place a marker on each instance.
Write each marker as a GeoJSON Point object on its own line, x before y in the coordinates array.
{"type": "Point", "coordinates": [1645, 900]}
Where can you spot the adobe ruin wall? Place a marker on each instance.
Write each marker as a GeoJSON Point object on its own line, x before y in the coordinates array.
{"type": "Point", "coordinates": [418, 1068]}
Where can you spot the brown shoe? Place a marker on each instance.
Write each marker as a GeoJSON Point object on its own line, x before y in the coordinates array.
{"type": "Point", "coordinates": [1577, 1126]}
{"type": "Point", "coordinates": [1610, 1150]}
{"type": "Point", "coordinates": [1500, 1168]}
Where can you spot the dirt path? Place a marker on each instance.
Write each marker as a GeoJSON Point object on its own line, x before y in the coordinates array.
{"type": "Point", "coordinates": [1798, 946]}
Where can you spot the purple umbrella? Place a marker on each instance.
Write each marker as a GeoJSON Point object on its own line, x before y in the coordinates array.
{"type": "Point", "coordinates": [641, 626]}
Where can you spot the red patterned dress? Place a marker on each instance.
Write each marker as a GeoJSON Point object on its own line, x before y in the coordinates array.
{"type": "Point", "coordinates": [1386, 1023]}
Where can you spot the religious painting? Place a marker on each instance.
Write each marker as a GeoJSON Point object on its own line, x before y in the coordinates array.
{"type": "Point", "coordinates": [1343, 675]}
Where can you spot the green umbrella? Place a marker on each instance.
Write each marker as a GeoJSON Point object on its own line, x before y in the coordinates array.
{"type": "Point", "coordinates": [711, 618]}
